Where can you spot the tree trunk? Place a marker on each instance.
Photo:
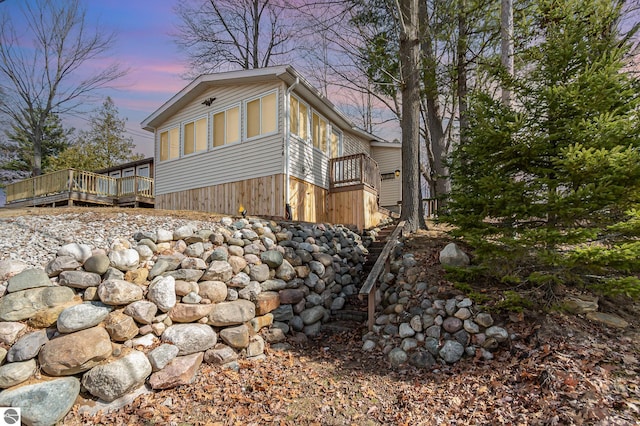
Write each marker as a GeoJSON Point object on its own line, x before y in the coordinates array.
{"type": "Point", "coordinates": [37, 151]}
{"type": "Point", "coordinates": [506, 54]}
{"type": "Point", "coordinates": [410, 122]}
{"type": "Point", "coordinates": [438, 173]}
{"type": "Point", "coordinates": [255, 34]}
{"type": "Point", "coordinates": [463, 45]}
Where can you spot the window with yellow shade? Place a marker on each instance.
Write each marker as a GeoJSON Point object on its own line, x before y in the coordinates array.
{"type": "Point", "coordinates": [335, 143]}
{"type": "Point", "coordinates": [319, 132]}
{"type": "Point", "coordinates": [262, 115]}
{"type": "Point", "coordinates": [226, 127]}
{"type": "Point", "coordinates": [195, 136]}
{"type": "Point", "coordinates": [170, 144]}
{"type": "Point", "coordinates": [299, 118]}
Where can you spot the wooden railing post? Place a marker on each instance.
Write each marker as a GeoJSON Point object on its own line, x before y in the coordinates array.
{"type": "Point", "coordinates": [70, 179]}
{"type": "Point", "coordinates": [382, 264]}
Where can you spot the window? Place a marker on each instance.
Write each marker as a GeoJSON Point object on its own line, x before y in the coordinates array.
{"type": "Point", "coordinates": [169, 144]}
{"type": "Point", "coordinates": [299, 118]}
{"type": "Point", "coordinates": [335, 143]}
{"type": "Point", "coordinates": [143, 171]}
{"type": "Point", "coordinates": [195, 136]}
{"type": "Point", "coordinates": [262, 115]}
{"type": "Point", "coordinates": [226, 126]}
{"type": "Point", "coordinates": [319, 132]}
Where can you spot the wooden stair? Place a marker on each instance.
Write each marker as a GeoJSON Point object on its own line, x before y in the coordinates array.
{"type": "Point", "coordinates": [375, 248]}
{"type": "Point", "coordinates": [354, 312]}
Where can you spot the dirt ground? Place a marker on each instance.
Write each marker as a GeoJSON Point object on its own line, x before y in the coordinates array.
{"type": "Point", "coordinates": [560, 370]}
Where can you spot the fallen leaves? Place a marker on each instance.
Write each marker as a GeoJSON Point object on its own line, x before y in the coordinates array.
{"type": "Point", "coordinates": [562, 370]}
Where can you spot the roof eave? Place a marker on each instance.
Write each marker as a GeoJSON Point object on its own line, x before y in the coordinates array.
{"type": "Point", "coordinates": [190, 91]}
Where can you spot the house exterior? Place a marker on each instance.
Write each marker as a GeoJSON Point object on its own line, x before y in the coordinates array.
{"type": "Point", "coordinates": [132, 181]}
{"type": "Point", "coordinates": [143, 167]}
{"type": "Point", "coordinates": [266, 141]}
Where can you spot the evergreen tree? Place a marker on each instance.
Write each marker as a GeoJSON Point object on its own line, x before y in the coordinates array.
{"type": "Point", "coordinates": [548, 190]}
{"type": "Point", "coordinates": [18, 148]}
{"type": "Point", "coordinates": [103, 145]}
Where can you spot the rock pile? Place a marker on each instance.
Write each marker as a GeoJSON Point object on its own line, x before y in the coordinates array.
{"type": "Point", "coordinates": [418, 327]}
{"type": "Point", "coordinates": [153, 308]}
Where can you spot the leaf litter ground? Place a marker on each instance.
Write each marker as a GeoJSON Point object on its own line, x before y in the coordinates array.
{"type": "Point", "coordinates": [560, 370]}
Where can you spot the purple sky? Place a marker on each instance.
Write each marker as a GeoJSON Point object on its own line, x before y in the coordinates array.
{"type": "Point", "coordinates": [144, 46]}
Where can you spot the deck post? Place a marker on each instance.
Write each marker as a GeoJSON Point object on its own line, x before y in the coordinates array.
{"type": "Point", "coordinates": [70, 181]}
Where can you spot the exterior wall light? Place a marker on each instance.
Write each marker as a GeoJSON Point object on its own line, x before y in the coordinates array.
{"type": "Point", "coordinates": [397, 173]}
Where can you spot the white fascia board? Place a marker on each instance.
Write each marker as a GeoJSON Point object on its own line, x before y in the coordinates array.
{"type": "Point", "coordinates": [200, 84]}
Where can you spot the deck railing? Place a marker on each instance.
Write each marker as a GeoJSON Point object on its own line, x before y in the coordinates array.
{"type": "Point", "coordinates": [383, 264]}
{"type": "Point", "coordinates": [135, 185]}
{"type": "Point", "coordinates": [354, 170]}
{"type": "Point", "coordinates": [71, 180]}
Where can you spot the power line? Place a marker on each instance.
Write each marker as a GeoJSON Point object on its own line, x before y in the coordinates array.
{"type": "Point", "coordinates": [126, 130]}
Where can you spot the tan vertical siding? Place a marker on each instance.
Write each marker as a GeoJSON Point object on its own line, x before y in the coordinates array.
{"type": "Point", "coordinates": [308, 201]}
{"type": "Point", "coordinates": [357, 207]}
{"type": "Point", "coordinates": [260, 197]}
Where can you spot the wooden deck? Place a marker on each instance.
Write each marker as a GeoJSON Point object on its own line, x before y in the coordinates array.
{"type": "Point", "coordinates": [70, 186]}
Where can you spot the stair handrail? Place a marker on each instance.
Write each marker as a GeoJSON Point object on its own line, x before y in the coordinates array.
{"type": "Point", "coordinates": [382, 263]}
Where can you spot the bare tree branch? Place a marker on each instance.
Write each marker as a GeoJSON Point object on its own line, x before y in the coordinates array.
{"type": "Point", "coordinates": [49, 74]}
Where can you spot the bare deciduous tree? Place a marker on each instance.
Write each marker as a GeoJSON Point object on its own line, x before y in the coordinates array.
{"type": "Point", "coordinates": [227, 34]}
{"type": "Point", "coordinates": [44, 74]}
{"type": "Point", "coordinates": [409, 53]}
{"type": "Point", "coordinates": [506, 37]}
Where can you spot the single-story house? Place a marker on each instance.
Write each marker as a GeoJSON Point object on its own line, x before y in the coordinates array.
{"type": "Point", "coordinates": [265, 141]}
{"type": "Point", "coordinates": [143, 167]}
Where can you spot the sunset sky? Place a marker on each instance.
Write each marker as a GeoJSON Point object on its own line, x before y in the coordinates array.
{"type": "Point", "coordinates": [143, 45]}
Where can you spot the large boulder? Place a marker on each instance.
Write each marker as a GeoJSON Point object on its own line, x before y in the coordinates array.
{"type": "Point", "coordinates": [237, 337]}
{"type": "Point", "coordinates": [61, 263]}
{"type": "Point", "coordinates": [162, 292]}
{"type": "Point", "coordinates": [16, 372]}
{"type": "Point", "coordinates": [312, 315]}
{"type": "Point", "coordinates": [273, 258]}
{"type": "Point", "coordinates": [80, 252]}
{"type": "Point", "coordinates": [30, 278]}
{"type": "Point", "coordinates": [218, 271]}
{"type": "Point", "coordinates": [190, 338]}
{"type": "Point", "coordinates": [115, 379]}
{"type": "Point", "coordinates": [76, 352]}
{"type": "Point", "coordinates": [97, 264]}
{"type": "Point", "coordinates": [187, 312]}
{"type": "Point", "coordinates": [232, 313]}
{"type": "Point", "coordinates": [120, 326]}
{"type": "Point", "coordinates": [84, 315]}
{"type": "Point", "coordinates": [9, 331]}
{"type": "Point", "coordinates": [162, 355]}
{"type": "Point", "coordinates": [451, 255]}
{"type": "Point", "coordinates": [180, 371]}
{"type": "Point", "coordinates": [43, 403]}
{"type": "Point", "coordinates": [142, 311]}
{"type": "Point", "coordinates": [26, 303]}
{"type": "Point", "coordinates": [27, 346]}
{"type": "Point", "coordinates": [215, 291]}
{"type": "Point", "coordinates": [125, 259]}
{"type": "Point", "coordinates": [9, 268]}
{"type": "Point", "coordinates": [451, 351]}
{"type": "Point", "coordinates": [119, 292]}
{"type": "Point", "coordinates": [79, 279]}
